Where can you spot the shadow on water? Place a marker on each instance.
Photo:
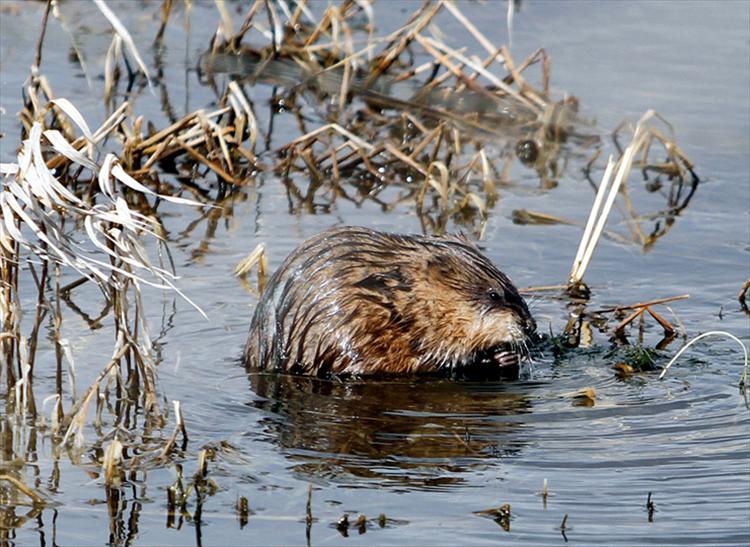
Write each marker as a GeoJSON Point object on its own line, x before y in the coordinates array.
{"type": "Point", "coordinates": [419, 434]}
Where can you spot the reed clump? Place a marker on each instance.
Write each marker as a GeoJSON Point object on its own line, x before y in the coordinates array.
{"type": "Point", "coordinates": [409, 119]}
{"type": "Point", "coordinates": [56, 229]}
{"type": "Point", "coordinates": [75, 215]}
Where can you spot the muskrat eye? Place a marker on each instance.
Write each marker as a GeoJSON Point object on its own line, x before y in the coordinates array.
{"type": "Point", "coordinates": [495, 296]}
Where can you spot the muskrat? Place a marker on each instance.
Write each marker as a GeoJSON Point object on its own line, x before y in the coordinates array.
{"type": "Point", "coordinates": [352, 301]}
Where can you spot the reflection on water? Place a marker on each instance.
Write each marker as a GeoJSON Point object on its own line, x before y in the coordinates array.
{"type": "Point", "coordinates": [498, 117]}
{"type": "Point", "coordinates": [410, 433]}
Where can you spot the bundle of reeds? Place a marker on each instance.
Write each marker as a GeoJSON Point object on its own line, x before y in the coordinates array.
{"type": "Point", "coordinates": [72, 214]}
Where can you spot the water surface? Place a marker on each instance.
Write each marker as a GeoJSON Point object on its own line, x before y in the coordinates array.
{"type": "Point", "coordinates": [429, 454]}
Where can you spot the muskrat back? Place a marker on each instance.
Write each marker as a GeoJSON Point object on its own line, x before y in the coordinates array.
{"type": "Point", "coordinates": [355, 301]}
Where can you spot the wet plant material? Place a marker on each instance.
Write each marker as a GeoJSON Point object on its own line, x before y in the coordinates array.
{"type": "Point", "coordinates": [650, 508]}
{"type": "Point", "coordinates": [545, 493]}
{"type": "Point", "coordinates": [585, 397]}
{"type": "Point", "coordinates": [501, 515]}
{"type": "Point", "coordinates": [256, 259]}
{"type": "Point", "coordinates": [637, 359]}
{"type": "Point", "coordinates": [564, 527]}
{"type": "Point", "coordinates": [243, 511]}
{"type": "Point", "coordinates": [742, 296]}
{"type": "Point", "coordinates": [617, 322]}
{"type": "Point", "coordinates": [348, 524]}
{"type": "Point", "coordinates": [194, 491]}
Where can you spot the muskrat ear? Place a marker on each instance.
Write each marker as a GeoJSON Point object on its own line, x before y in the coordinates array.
{"type": "Point", "coordinates": [440, 266]}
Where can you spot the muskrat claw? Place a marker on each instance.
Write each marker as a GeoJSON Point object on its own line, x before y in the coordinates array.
{"type": "Point", "coordinates": [507, 358]}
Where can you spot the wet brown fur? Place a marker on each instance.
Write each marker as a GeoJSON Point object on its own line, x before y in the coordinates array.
{"type": "Point", "coordinates": [354, 301]}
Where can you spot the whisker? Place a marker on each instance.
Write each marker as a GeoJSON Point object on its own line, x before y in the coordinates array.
{"type": "Point", "coordinates": [527, 352]}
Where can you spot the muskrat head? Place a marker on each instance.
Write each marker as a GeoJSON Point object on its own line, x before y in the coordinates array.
{"type": "Point", "coordinates": [482, 322]}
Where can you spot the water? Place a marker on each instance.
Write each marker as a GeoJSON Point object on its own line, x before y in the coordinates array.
{"type": "Point", "coordinates": [429, 454]}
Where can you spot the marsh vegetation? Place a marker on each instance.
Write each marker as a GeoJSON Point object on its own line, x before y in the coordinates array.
{"type": "Point", "coordinates": [163, 162]}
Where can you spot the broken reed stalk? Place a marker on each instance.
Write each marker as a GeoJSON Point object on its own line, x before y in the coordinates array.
{"type": "Point", "coordinates": [639, 312]}
{"type": "Point", "coordinates": [111, 463]}
{"type": "Point", "coordinates": [179, 428]}
{"type": "Point", "coordinates": [643, 304]}
{"type": "Point", "coordinates": [37, 499]}
{"type": "Point", "coordinates": [609, 186]}
{"type": "Point", "coordinates": [123, 33]}
{"type": "Point", "coordinates": [73, 421]}
{"type": "Point", "coordinates": [742, 296]}
{"type": "Point", "coordinates": [40, 38]}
